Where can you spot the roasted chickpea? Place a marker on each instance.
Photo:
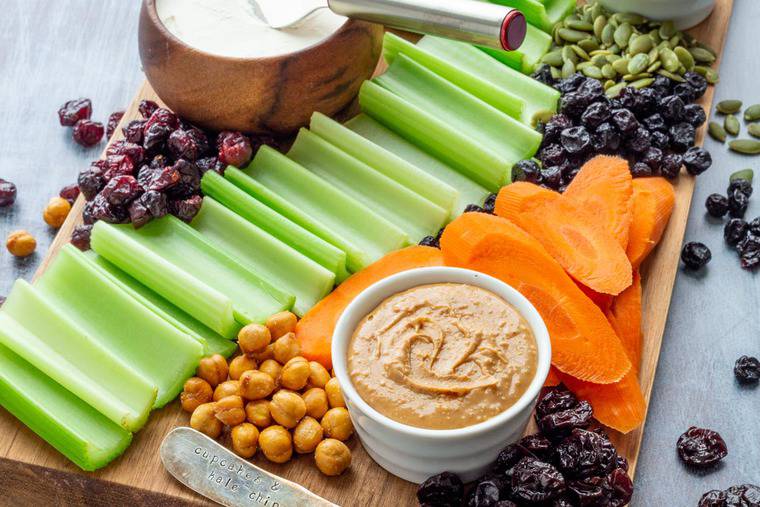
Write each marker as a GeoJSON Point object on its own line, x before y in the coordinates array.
{"type": "Point", "coordinates": [227, 388]}
{"type": "Point", "coordinates": [213, 369]}
{"type": "Point", "coordinates": [204, 420]}
{"type": "Point", "coordinates": [287, 408]}
{"type": "Point", "coordinates": [257, 412]}
{"type": "Point", "coordinates": [295, 374]}
{"type": "Point", "coordinates": [241, 364]}
{"type": "Point", "coordinates": [307, 435]}
{"type": "Point", "coordinates": [253, 338]}
{"type": "Point", "coordinates": [276, 444]}
{"type": "Point", "coordinates": [56, 211]}
{"type": "Point", "coordinates": [271, 368]}
{"type": "Point", "coordinates": [267, 353]}
{"type": "Point", "coordinates": [332, 457]}
{"type": "Point", "coordinates": [244, 439]}
{"type": "Point", "coordinates": [20, 243]}
{"type": "Point", "coordinates": [334, 396]}
{"type": "Point", "coordinates": [281, 323]}
{"type": "Point", "coordinates": [337, 423]}
{"type": "Point", "coordinates": [195, 392]}
{"type": "Point", "coordinates": [230, 410]}
{"type": "Point", "coordinates": [318, 375]}
{"type": "Point", "coordinates": [316, 402]}
{"type": "Point", "coordinates": [255, 385]}
{"type": "Point", "coordinates": [286, 348]}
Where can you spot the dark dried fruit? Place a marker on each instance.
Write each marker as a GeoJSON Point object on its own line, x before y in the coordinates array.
{"type": "Point", "coordinates": [163, 116]}
{"type": "Point", "coordinates": [536, 481]}
{"type": "Point", "coordinates": [699, 447]}
{"type": "Point", "coordinates": [87, 133]}
{"type": "Point", "coordinates": [135, 152]}
{"type": "Point", "coordinates": [559, 424]}
{"type": "Point", "coordinates": [69, 192]}
{"type": "Point", "coordinates": [682, 136]}
{"type": "Point", "coordinates": [694, 114]}
{"type": "Point", "coordinates": [442, 489]}
{"type": "Point", "coordinates": [551, 177]}
{"type": "Point", "coordinates": [234, 149]}
{"type": "Point", "coordinates": [653, 158]}
{"type": "Point", "coordinates": [73, 111]}
{"type": "Point", "coordinates": [672, 108]}
{"type": "Point", "coordinates": [100, 209]}
{"type": "Point", "coordinates": [746, 495]}
{"type": "Point", "coordinates": [189, 180]}
{"type": "Point", "coordinates": [585, 454]}
{"type": "Point", "coordinates": [695, 255]}
{"type": "Point", "coordinates": [555, 126]}
{"type": "Point", "coordinates": [655, 122]}
{"type": "Point", "coordinates": [747, 370]}
{"type": "Point", "coordinates": [554, 399]}
{"type": "Point", "coordinates": [489, 204]}
{"type": "Point", "coordinates": [697, 82]}
{"type": "Point", "coordinates": [742, 185]}
{"type": "Point", "coordinates": [157, 177]}
{"type": "Point", "coordinates": [210, 164]}
{"type": "Point", "coordinates": [186, 209]}
{"type": "Point", "coordinates": [485, 494]}
{"type": "Point", "coordinates": [187, 144]}
{"type": "Point", "coordinates": [570, 84]}
{"type": "Point", "coordinates": [7, 193]}
{"type": "Point", "coordinates": [685, 92]}
{"type": "Point", "coordinates": [138, 214]}
{"type": "Point", "coordinates": [552, 154]}
{"type": "Point", "coordinates": [697, 160]}
{"type": "Point", "coordinates": [537, 445]}
{"type": "Point", "coordinates": [113, 122]}
{"type": "Point", "coordinates": [606, 138]}
{"type": "Point", "coordinates": [659, 139]}
{"type": "Point", "coordinates": [671, 165]}
{"type": "Point", "coordinates": [544, 75]}
{"type": "Point", "coordinates": [118, 165]}
{"type": "Point", "coordinates": [91, 181]}
{"type": "Point", "coordinates": [714, 498]}
{"type": "Point", "coordinates": [121, 190]}
{"type": "Point", "coordinates": [754, 226]}
{"type": "Point", "coordinates": [717, 205]}
{"type": "Point", "coordinates": [147, 108]}
{"type": "Point", "coordinates": [641, 170]}
{"type": "Point", "coordinates": [591, 90]}
{"type": "Point", "coordinates": [573, 104]}
{"type": "Point", "coordinates": [639, 140]}
{"type": "Point", "coordinates": [735, 231]}
{"type": "Point", "coordinates": [133, 131]}
{"type": "Point", "coordinates": [508, 458]}
{"type": "Point", "coordinates": [155, 136]}
{"type": "Point", "coordinates": [625, 121]}
{"type": "Point", "coordinates": [156, 203]}
{"type": "Point", "coordinates": [80, 237]}
{"type": "Point", "coordinates": [473, 208]}
{"type": "Point", "coordinates": [737, 203]}
{"type": "Point", "coordinates": [645, 102]}
{"type": "Point", "coordinates": [595, 114]}
{"type": "Point", "coordinates": [429, 241]}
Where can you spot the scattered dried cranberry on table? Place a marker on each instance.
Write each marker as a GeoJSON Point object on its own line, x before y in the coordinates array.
{"type": "Point", "coordinates": [7, 193]}
{"type": "Point", "coordinates": [695, 255]}
{"type": "Point", "coordinates": [744, 495]}
{"type": "Point", "coordinates": [73, 111]}
{"type": "Point", "coordinates": [747, 370]}
{"type": "Point", "coordinates": [699, 447]}
{"type": "Point", "coordinates": [87, 133]}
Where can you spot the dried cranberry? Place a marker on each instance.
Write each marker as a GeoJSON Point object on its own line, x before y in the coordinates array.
{"type": "Point", "coordinates": [155, 202]}
{"type": "Point", "coordinates": [699, 447]}
{"type": "Point", "coordinates": [70, 193]}
{"type": "Point", "coordinates": [554, 399]}
{"type": "Point", "coordinates": [735, 231]}
{"type": "Point", "coordinates": [747, 370]}
{"type": "Point", "coordinates": [147, 108]}
{"type": "Point", "coordinates": [738, 202]}
{"type": "Point", "coordinates": [187, 144]}
{"type": "Point", "coordinates": [695, 255]}
{"type": "Point", "coordinates": [672, 108]}
{"type": "Point", "coordinates": [526, 170]}
{"type": "Point", "coordinates": [113, 122]}
{"type": "Point", "coordinates": [87, 133]}
{"type": "Point", "coordinates": [697, 82]}
{"type": "Point", "coordinates": [695, 115]}
{"type": "Point", "coordinates": [536, 481]}
{"type": "Point", "coordinates": [659, 139]}
{"type": "Point", "coordinates": [80, 236]}
{"type": "Point", "coordinates": [682, 136]}
{"type": "Point", "coordinates": [625, 121]}
{"type": "Point", "coordinates": [585, 454]}
{"type": "Point", "coordinates": [537, 445]}
{"type": "Point", "coordinates": [157, 177]}
{"type": "Point", "coordinates": [234, 149]}
{"type": "Point", "coordinates": [443, 489]}
{"type": "Point", "coordinates": [121, 190]}
{"type": "Point", "coordinates": [595, 114]}
{"type": "Point", "coordinates": [100, 209]}
{"type": "Point", "coordinates": [186, 209]}
{"type": "Point", "coordinates": [73, 111]}
{"type": "Point", "coordinates": [189, 180]}
{"type": "Point", "coordinates": [133, 131]}
{"type": "Point", "coordinates": [91, 181]}
{"type": "Point", "coordinates": [118, 165]}
{"type": "Point", "coordinates": [552, 154]}
{"type": "Point", "coordinates": [655, 122]}
{"type": "Point", "coordinates": [163, 116]}
{"type": "Point", "coordinates": [135, 152]}
{"type": "Point", "coordinates": [559, 424]}
{"type": "Point", "coordinates": [671, 165]}
{"type": "Point", "coordinates": [641, 170]}
{"type": "Point", "coordinates": [7, 193]}
{"type": "Point", "coordinates": [210, 164]}
{"type": "Point", "coordinates": [740, 184]}
{"type": "Point", "coordinates": [155, 136]}
{"type": "Point", "coordinates": [717, 205]}
{"type": "Point", "coordinates": [746, 495]}
{"type": "Point", "coordinates": [138, 214]}
{"type": "Point", "coordinates": [697, 160]}
{"type": "Point", "coordinates": [714, 498]}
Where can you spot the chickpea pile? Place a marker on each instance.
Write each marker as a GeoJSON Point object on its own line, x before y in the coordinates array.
{"type": "Point", "coordinates": [272, 399]}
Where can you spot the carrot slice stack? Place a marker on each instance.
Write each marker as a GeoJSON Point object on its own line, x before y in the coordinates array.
{"type": "Point", "coordinates": [583, 247]}
{"type": "Point", "coordinates": [625, 317]}
{"type": "Point", "coordinates": [314, 331]}
{"type": "Point", "coordinates": [653, 201]}
{"type": "Point", "coordinates": [584, 344]}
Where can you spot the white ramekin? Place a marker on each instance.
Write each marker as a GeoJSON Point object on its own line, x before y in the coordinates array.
{"type": "Point", "coordinates": [413, 453]}
{"type": "Point", "coordinates": [684, 13]}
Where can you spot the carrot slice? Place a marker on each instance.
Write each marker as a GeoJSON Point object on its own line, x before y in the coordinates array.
{"type": "Point", "coordinates": [552, 379]}
{"type": "Point", "coordinates": [585, 249]}
{"type": "Point", "coordinates": [620, 406]}
{"type": "Point", "coordinates": [603, 186]}
{"type": "Point", "coordinates": [625, 317]}
{"type": "Point", "coordinates": [603, 301]}
{"type": "Point", "coordinates": [653, 202]}
{"type": "Point", "coordinates": [314, 331]}
{"type": "Point", "coordinates": [583, 342]}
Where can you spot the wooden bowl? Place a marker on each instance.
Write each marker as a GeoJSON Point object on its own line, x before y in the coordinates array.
{"type": "Point", "coordinates": [271, 95]}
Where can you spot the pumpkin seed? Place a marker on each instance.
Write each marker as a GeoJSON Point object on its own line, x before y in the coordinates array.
{"type": "Point", "coordinates": [580, 52]}
{"type": "Point", "coordinates": [667, 30]}
{"type": "Point", "coordinates": [674, 41]}
{"type": "Point", "coordinates": [671, 75]}
{"type": "Point", "coordinates": [569, 55]}
{"type": "Point", "coordinates": [753, 129]}
{"type": "Point", "coordinates": [654, 67]}
{"type": "Point", "coordinates": [702, 55]}
{"type": "Point", "coordinates": [640, 44]}
{"type": "Point", "coordinates": [608, 84]}
{"type": "Point", "coordinates": [636, 77]}
{"type": "Point", "coordinates": [607, 37]}
{"type": "Point", "coordinates": [638, 63]}
{"type": "Point", "coordinates": [669, 59]}
{"type": "Point", "coordinates": [578, 24]}
{"type": "Point", "coordinates": [556, 73]}
{"type": "Point", "coordinates": [542, 116]}
{"type": "Point", "coordinates": [642, 83]}
{"type": "Point", "coordinates": [729, 106]}
{"type": "Point", "coordinates": [623, 34]}
{"type": "Point", "coordinates": [709, 74]}
{"type": "Point", "coordinates": [571, 35]}
{"type": "Point", "coordinates": [555, 34]}
{"type": "Point", "coordinates": [553, 58]}
{"type": "Point", "coordinates": [589, 44]}
{"type": "Point", "coordinates": [752, 113]}
{"type": "Point", "coordinates": [743, 174]}
{"type": "Point", "coordinates": [654, 55]}
{"type": "Point", "coordinates": [613, 58]}
{"type": "Point", "coordinates": [745, 146]}
{"type": "Point", "coordinates": [731, 124]}
{"type": "Point", "coordinates": [621, 66]}
{"type": "Point", "coordinates": [599, 23]}
{"type": "Point", "coordinates": [568, 69]}
{"type": "Point", "coordinates": [600, 52]}
{"type": "Point", "coordinates": [686, 59]}
{"type": "Point", "coordinates": [591, 71]}
{"type": "Point", "coordinates": [716, 131]}
{"type": "Point", "coordinates": [599, 60]}
{"type": "Point", "coordinates": [630, 18]}
{"type": "Point", "coordinates": [582, 65]}
{"type": "Point", "coordinates": [707, 48]}
{"type": "Point", "coordinates": [614, 91]}
{"type": "Point", "coordinates": [609, 72]}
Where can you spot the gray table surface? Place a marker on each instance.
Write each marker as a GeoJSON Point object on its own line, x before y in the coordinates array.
{"type": "Point", "coordinates": [51, 52]}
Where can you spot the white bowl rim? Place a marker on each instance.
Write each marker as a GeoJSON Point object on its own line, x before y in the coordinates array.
{"type": "Point", "coordinates": [442, 274]}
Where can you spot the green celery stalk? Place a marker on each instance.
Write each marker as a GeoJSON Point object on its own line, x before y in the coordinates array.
{"type": "Point", "coordinates": [149, 345]}
{"type": "Point", "coordinates": [74, 428]}
{"type": "Point", "coordinates": [502, 98]}
{"type": "Point", "coordinates": [178, 244]}
{"type": "Point", "coordinates": [385, 162]}
{"type": "Point", "coordinates": [414, 215]}
{"type": "Point", "coordinates": [469, 191]}
{"type": "Point", "coordinates": [271, 219]}
{"type": "Point", "coordinates": [527, 58]}
{"type": "Point", "coordinates": [272, 259]}
{"type": "Point", "coordinates": [318, 206]}
{"type": "Point", "coordinates": [54, 345]}
{"type": "Point", "coordinates": [539, 99]}
{"type": "Point", "coordinates": [212, 342]}
{"type": "Point", "coordinates": [543, 14]}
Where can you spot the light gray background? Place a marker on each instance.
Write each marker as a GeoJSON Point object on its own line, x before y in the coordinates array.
{"type": "Point", "coordinates": [53, 51]}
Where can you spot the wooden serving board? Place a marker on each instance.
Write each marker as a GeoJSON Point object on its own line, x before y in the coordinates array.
{"type": "Point", "coordinates": [32, 472]}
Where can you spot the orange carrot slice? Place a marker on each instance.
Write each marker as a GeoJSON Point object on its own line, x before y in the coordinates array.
{"type": "Point", "coordinates": [583, 342]}
{"type": "Point", "coordinates": [552, 379]}
{"type": "Point", "coordinates": [604, 187]}
{"type": "Point", "coordinates": [314, 331]}
{"type": "Point", "coordinates": [603, 301]}
{"type": "Point", "coordinates": [625, 317]}
{"type": "Point", "coordinates": [586, 250]}
{"type": "Point", "coordinates": [653, 201]}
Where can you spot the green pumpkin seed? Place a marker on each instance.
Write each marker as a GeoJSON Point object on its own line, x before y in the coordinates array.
{"type": "Point", "coordinates": [599, 60]}
{"type": "Point", "coordinates": [752, 113]}
{"type": "Point", "coordinates": [630, 18]}
{"type": "Point", "coordinates": [744, 174]}
{"type": "Point", "coordinates": [642, 83]}
{"type": "Point", "coordinates": [654, 55]}
{"type": "Point", "coordinates": [582, 65]}
{"type": "Point", "coordinates": [607, 37]}
{"type": "Point", "coordinates": [614, 91]}
{"type": "Point", "coordinates": [654, 67]}
{"type": "Point", "coordinates": [556, 73]}
{"type": "Point", "coordinates": [753, 129]}
{"type": "Point", "coordinates": [608, 84]}
{"type": "Point", "coordinates": [640, 44]}
{"type": "Point", "coordinates": [599, 23]}
{"type": "Point", "coordinates": [589, 44]}
{"type": "Point", "coordinates": [578, 24]}
{"type": "Point", "coordinates": [731, 124]}
{"type": "Point", "coordinates": [596, 10]}
{"type": "Point", "coordinates": [707, 48]}
{"type": "Point", "coordinates": [623, 34]}
{"type": "Point", "coordinates": [591, 71]}
{"type": "Point", "coordinates": [702, 55]}
{"type": "Point", "coordinates": [600, 52]}
{"type": "Point", "coordinates": [716, 131]}
{"type": "Point", "coordinates": [636, 77]}
{"type": "Point", "coordinates": [580, 52]}
{"type": "Point", "coordinates": [674, 41]}
{"type": "Point", "coordinates": [638, 63]}
{"type": "Point", "coordinates": [569, 55]}
{"type": "Point", "coordinates": [669, 59]}
{"type": "Point", "coordinates": [684, 57]}
{"type": "Point", "coordinates": [543, 116]}
{"type": "Point", "coordinates": [745, 146]}
{"type": "Point", "coordinates": [553, 58]}
{"type": "Point", "coordinates": [667, 30]}
{"type": "Point", "coordinates": [609, 72]}
{"type": "Point", "coordinates": [709, 74]}
{"type": "Point", "coordinates": [571, 35]}
{"type": "Point", "coordinates": [555, 35]}
{"type": "Point", "coordinates": [729, 106]}
{"type": "Point", "coordinates": [671, 75]}
{"type": "Point", "coordinates": [568, 69]}
{"type": "Point", "coordinates": [621, 66]}
{"type": "Point", "coordinates": [613, 58]}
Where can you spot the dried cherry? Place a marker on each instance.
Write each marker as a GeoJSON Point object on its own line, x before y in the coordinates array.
{"type": "Point", "coordinates": [234, 149]}
{"type": "Point", "coordinates": [559, 424]}
{"type": "Point", "coordinates": [536, 481]}
{"type": "Point", "coordinates": [147, 108]}
{"type": "Point", "coordinates": [695, 255]}
{"type": "Point", "coordinates": [735, 230]}
{"type": "Point", "coordinates": [186, 209]}
{"type": "Point", "coordinates": [7, 193]}
{"type": "Point", "coordinates": [585, 454]}
{"type": "Point", "coordinates": [73, 111]}
{"type": "Point", "coordinates": [717, 205]}
{"type": "Point", "coordinates": [699, 447]}
{"type": "Point", "coordinates": [747, 370]}
{"type": "Point", "coordinates": [526, 170]}
{"type": "Point", "coordinates": [135, 152]}
{"type": "Point", "coordinates": [80, 236]}
{"type": "Point", "coordinates": [87, 133]}
{"type": "Point", "coordinates": [554, 399]}
{"type": "Point", "coordinates": [443, 489]}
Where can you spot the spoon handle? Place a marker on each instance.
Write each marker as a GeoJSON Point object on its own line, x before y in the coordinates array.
{"type": "Point", "coordinates": [471, 21]}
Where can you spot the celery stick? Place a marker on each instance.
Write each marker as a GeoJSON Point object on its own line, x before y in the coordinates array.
{"type": "Point", "coordinates": [262, 214]}
{"type": "Point", "coordinates": [318, 206]}
{"type": "Point", "coordinates": [539, 98]}
{"type": "Point", "coordinates": [272, 259]}
{"type": "Point", "coordinates": [525, 59]}
{"type": "Point", "coordinates": [75, 429]}
{"type": "Point", "coordinates": [502, 98]}
{"type": "Point", "coordinates": [149, 345]}
{"type": "Point", "coordinates": [52, 344]}
{"type": "Point", "coordinates": [414, 215]}
{"type": "Point", "coordinates": [509, 139]}
{"type": "Point", "coordinates": [178, 244]}
{"type": "Point", "coordinates": [213, 342]}
{"type": "Point", "coordinates": [385, 162]}
{"type": "Point", "coordinates": [469, 191]}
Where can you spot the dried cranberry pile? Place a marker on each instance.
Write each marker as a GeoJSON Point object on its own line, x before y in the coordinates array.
{"type": "Point", "coordinates": [742, 235]}
{"type": "Point", "coordinates": [77, 113]}
{"type": "Point", "coordinates": [571, 462]}
{"type": "Point", "coordinates": [489, 206]}
{"type": "Point", "coordinates": [654, 128]}
{"type": "Point", "coordinates": [744, 495]}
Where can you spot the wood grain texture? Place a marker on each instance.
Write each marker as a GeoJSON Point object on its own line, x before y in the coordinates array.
{"type": "Point", "coordinates": [138, 476]}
